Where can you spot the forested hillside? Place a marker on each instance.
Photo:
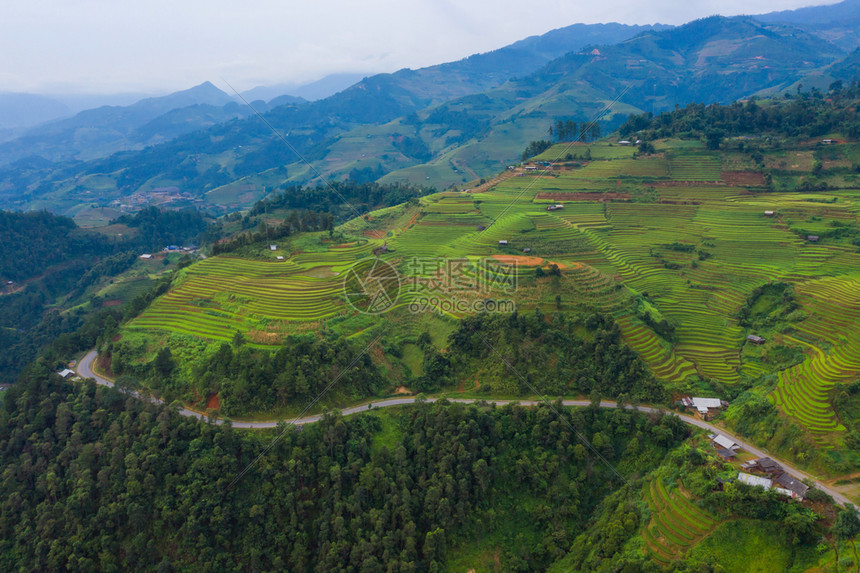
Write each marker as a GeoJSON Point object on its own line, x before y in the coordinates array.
{"type": "Point", "coordinates": [97, 481]}
{"type": "Point", "coordinates": [54, 273]}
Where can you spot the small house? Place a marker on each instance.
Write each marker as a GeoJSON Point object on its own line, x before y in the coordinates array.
{"type": "Point", "coordinates": [280, 258]}
{"type": "Point", "coordinates": [704, 406]}
{"type": "Point", "coordinates": [722, 441]}
{"type": "Point", "coordinates": [146, 256]}
{"type": "Point", "coordinates": [755, 339]}
{"type": "Point", "coordinates": [527, 250]}
{"type": "Point", "coordinates": [726, 454]}
{"type": "Point", "coordinates": [624, 142]}
{"type": "Point", "coordinates": [531, 168]}
{"type": "Point", "coordinates": [796, 488]}
{"type": "Point", "coordinates": [481, 228]}
{"type": "Point", "coordinates": [66, 373]}
{"type": "Point", "coordinates": [768, 213]}
{"type": "Point", "coordinates": [767, 466]}
{"type": "Point", "coordinates": [827, 141]}
{"type": "Point", "coordinates": [559, 206]}
{"type": "Point", "coordinates": [812, 238]}
{"type": "Point", "coordinates": [273, 247]}
{"type": "Point", "coordinates": [503, 243]}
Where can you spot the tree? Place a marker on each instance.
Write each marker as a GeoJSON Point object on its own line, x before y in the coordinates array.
{"type": "Point", "coordinates": [163, 363]}
{"type": "Point", "coordinates": [847, 524]}
{"type": "Point", "coordinates": [238, 339]}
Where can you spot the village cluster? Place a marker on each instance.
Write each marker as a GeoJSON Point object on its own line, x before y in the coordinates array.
{"type": "Point", "coordinates": [765, 472]}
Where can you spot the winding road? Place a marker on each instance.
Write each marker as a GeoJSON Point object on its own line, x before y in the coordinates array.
{"type": "Point", "coordinates": [84, 369]}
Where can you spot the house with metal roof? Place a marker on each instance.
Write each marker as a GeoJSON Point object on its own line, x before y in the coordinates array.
{"type": "Point", "coordinates": [726, 442]}
{"type": "Point", "coordinates": [752, 480]}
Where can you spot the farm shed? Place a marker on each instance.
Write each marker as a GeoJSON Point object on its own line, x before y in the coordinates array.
{"type": "Point", "coordinates": [767, 465]}
{"type": "Point", "coordinates": [503, 243]}
{"type": "Point", "coordinates": [755, 339]}
{"type": "Point", "coordinates": [754, 480]}
{"type": "Point", "coordinates": [812, 238]}
{"type": "Point", "coordinates": [725, 454]}
{"type": "Point", "coordinates": [726, 442]}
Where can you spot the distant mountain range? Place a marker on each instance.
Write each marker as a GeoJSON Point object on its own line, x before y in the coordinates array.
{"type": "Point", "coordinates": [441, 125]}
{"type": "Point", "coordinates": [837, 23]}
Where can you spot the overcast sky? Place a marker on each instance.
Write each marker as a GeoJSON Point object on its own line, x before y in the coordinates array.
{"type": "Point", "coordinates": [103, 46]}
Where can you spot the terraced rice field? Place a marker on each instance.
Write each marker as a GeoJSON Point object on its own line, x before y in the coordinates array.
{"type": "Point", "coordinates": [694, 247]}
{"type": "Point", "coordinates": [699, 166]}
{"type": "Point", "coordinates": [221, 295]}
{"type": "Point", "coordinates": [676, 523]}
{"type": "Point", "coordinates": [832, 338]}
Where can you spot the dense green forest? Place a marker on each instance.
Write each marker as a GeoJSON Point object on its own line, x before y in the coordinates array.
{"type": "Point", "coordinates": [54, 266]}
{"type": "Point", "coordinates": [157, 228]}
{"type": "Point", "coordinates": [806, 114]}
{"type": "Point", "coordinates": [94, 480]}
{"type": "Point", "coordinates": [509, 353]}
{"type": "Point", "coordinates": [32, 242]}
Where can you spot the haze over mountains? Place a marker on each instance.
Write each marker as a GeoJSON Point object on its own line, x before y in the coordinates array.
{"type": "Point", "coordinates": [442, 125]}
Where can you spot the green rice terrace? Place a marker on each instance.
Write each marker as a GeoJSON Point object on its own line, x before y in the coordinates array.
{"type": "Point", "coordinates": [673, 244]}
{"type": "Point", "coordinates": [676, 523]}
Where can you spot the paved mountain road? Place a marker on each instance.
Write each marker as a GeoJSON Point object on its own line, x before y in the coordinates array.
{"type": "Point", "coordinates": [84, 369]}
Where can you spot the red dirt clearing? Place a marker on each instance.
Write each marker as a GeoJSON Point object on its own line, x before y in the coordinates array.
{"type": "Point", "coordinates": [213, 402]}
{"type": "Point", "coordinates": [531, 261]}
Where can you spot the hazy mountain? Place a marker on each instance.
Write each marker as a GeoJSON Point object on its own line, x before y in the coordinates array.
{"type": "Point", "coordinates": [327, 86]}
{"type": "Point", "coordinates": [837, 23]}
{"type": "Point", "coordinates": [711, 60]}
{"type": "Point", "coordinates": [100, 131]}
{"type": "Point", "coordinates": [319, 89]}
{"type": "Point", "coordinates": [82, 101]}
{"type": "Point", "coordinates": [24, 110]}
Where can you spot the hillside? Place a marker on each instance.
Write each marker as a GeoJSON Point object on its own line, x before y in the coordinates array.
{"type": "Point", "coordinates": [837, 23]}
{"type": "Point", "coordinates": [715, 60]}
{"type": "Point", "coordinates": [426, 487]}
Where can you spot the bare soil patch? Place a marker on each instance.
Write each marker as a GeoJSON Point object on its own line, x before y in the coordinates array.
{"type": "Point", "coordinates": [213, 402]}
{"type": "Point", "coordinates": [744, 178]}
{"type": "Point", "coordinates": [531, 261]}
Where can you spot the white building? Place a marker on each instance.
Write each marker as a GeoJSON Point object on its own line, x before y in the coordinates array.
{"type": "Point", "coordinates": [754, 480]}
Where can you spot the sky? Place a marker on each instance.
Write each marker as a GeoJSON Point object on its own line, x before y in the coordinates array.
{"type": "Point", "coordinates": [158, 46]}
